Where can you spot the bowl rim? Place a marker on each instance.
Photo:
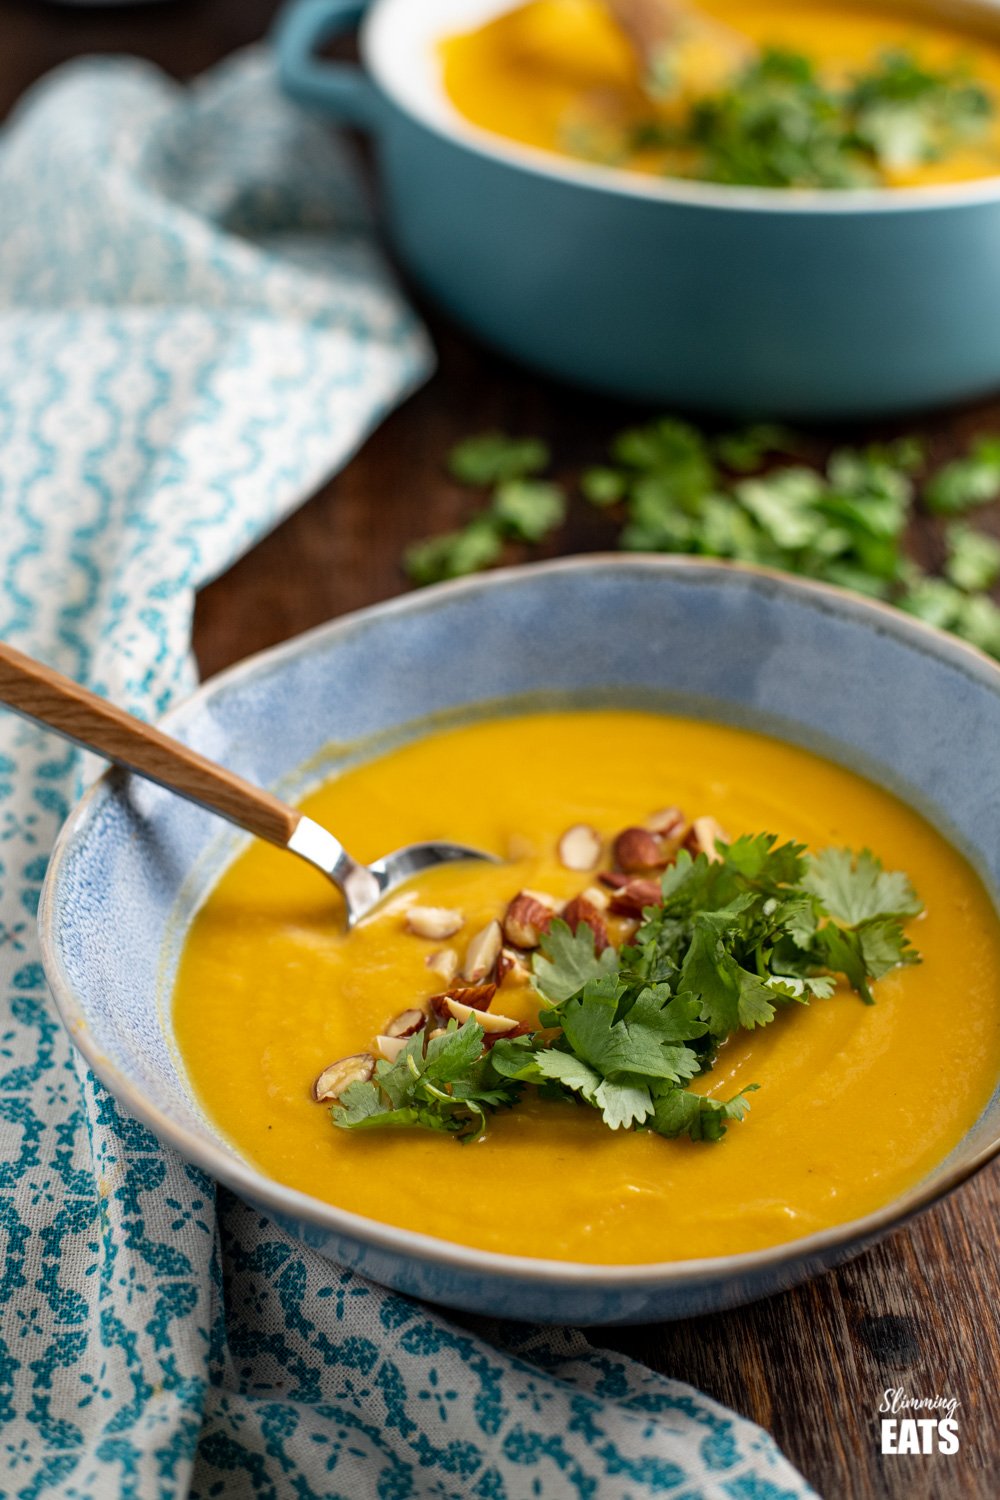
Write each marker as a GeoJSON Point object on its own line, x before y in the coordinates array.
{"type": "Point", "coordinates": [374, 41]}
{"type": "Point", "coordinates": [404, 1244]}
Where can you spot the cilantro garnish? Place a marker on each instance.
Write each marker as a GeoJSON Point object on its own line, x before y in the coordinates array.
{"type": "Point", "coordinates": [855, 888]}
{"type": "Point", "coordinates": [568, 962]}
{"type": "Point", "coordinates": [447, 1088]}
{"type": "Point", "coordinates": [731, 943]}
{"type": "Point", "coordinates": [778, 123]}
{"type": "Point", "coordinates": [905, 113]}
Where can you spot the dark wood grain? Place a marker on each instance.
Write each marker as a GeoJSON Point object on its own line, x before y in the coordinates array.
{"type": "Point", "coordinates": [920, 1310]}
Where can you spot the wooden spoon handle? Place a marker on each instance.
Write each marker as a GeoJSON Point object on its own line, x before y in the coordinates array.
{"type": "Point", "coordinates": [652, 27]}
{"type": "Point", "coordinates": [648, 24]}
{"type": "Point", "coordinates": [61, 704]}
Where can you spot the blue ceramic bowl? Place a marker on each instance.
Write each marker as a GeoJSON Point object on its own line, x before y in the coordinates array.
{"type": "Point", "coordinates": [753, 301]}
{"type": "Point", "coordinates": [871, 688]}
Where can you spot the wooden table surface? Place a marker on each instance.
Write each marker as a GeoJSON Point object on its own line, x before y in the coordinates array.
{"type": "Point", "coordinates": [920, 1310]}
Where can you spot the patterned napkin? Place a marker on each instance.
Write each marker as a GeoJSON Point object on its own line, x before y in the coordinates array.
{"type": "Point", "coordinates": [195, 330]}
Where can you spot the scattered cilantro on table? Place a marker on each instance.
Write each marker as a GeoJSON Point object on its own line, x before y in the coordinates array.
{"type": "Point", "coordinates": [973, 561]}
{"type": "Point", "coordinates": [521, 507]}
{"type": "Point", "coordinates": [492, 458]}
{"type": "Point", "coordinates": [528, 509]}
{"type": "Point", "coordinates": [966, 482]}
{"type": "Point", "coordinates": [455, 554]}
{"type": "Point", "coordinates": [750, 496]}
{"type": "Point", "coordinates": [733, 942]}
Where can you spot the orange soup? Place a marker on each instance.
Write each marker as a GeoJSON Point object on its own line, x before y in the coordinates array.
{"type": "Point", "coordinates": [855, 1104]}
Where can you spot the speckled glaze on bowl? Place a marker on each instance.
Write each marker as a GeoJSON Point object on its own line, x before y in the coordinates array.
{"type": "Point", "coordinates": [869, 687]}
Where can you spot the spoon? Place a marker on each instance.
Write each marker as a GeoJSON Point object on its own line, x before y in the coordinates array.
{"type": "Point", "coordinates": [58, 703]}
{"type": "Point", "coordinates": [672, 39]}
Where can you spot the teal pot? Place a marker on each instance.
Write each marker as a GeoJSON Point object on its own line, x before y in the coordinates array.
{"type": "Point", "coordinates": [814, 666]}
{"type": "Point", "coordinates": [748, 301]}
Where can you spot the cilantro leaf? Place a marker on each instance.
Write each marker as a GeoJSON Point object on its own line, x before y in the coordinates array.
{"type": "Point", "coordinates": [674, 451]}
{"type": "Point", "coordinates": [521, 509]}
{"type": "Point", "coordinates": [746, 450]}
{"type": "Point", "coordinates": [493, 457]}
{"type": "Point", "coordinates": [514, 1057]}
{"type": "Point", "coordinates": [448, 1056]}
{"type": "Point", "coordinates": [784, 506]}
{"type": "Point", "coordinates": [685, 879]}
{"type": "Point", "coordinates": [678, 1112]}
{"type": "Point", "coordinates": [855, 887]}
{"type": "Point", "coordinates": [755, 1005]}
{"type": "Point", "coordinates": [453, 555]}
{"type": "Point", "coordinates": [884, 946]}
{"type": "Point", "coordinates": [865, 952]}
{"type": "Point", "coordinates": [710, 973]}
{"type": "Point", "coordinates": [973, 560]}
{"type": "Point", "coordinates": [635, 1044]}
{"type": "Point", "coordinates": [623, 1104]}
{"type": "Point", "coordinates": [935, 601]}
{"type": "Point", "coordinates": [803, 987]}
{"type": "Point", "coordinates": [731, 996]}
{"type": "Point", "coordinates": [760, 857]}
{"type": "Point", "coordinates": [448, 1088]}
{"type": "Point", "coordinates": [978, 621]}
{"type": "Point", "coordinates": [798, 916]}
{"type": "Point", "coordinates": [966, 482]}
{"type": "Point", "coordinates": [567, 961]}
{"type": "Point", "coordinates": [839, 948]}
{"type": "Point", "coordinates": [569, 1070]}
{"type": "Point", "coordinates": [363, 1104]}
{"type": "Point", "coordinates": [603, 486]}
{"type": "Point", "coordinates": [677, 1020]}
{"type": "Point", "coordinates": [528, 509]}
{"type": "Point", "coordinates": [775, 125]}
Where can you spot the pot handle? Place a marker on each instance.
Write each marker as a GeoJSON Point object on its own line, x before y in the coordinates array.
{"type": "Point", "coordinates": [340, 89]}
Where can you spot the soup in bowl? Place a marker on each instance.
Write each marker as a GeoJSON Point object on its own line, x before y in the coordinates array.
{"type": "Point", "coordinates": [334, 1061]}
{"type": "Point", "coordinates": [674, 1049]}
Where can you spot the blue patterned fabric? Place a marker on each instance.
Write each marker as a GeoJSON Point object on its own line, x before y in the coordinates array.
{"type": "Point", "coordinates": [194, 330]}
